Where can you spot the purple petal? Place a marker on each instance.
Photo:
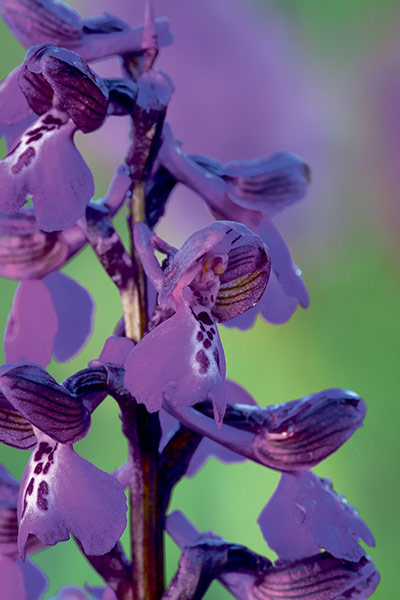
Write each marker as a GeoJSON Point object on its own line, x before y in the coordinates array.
{"type": "Point", "coordinates": [13, 105]}
{"type": "Point", "coordinates": [115, 350]}
{"type": "Point", "coordinates": [32, 325]}
{"type": "Point", "coordinates": [267, 184]}
{"type": "Point", "coordinates": [235, 394]}
{"type": "Point", "coordinates": [49, 70]}
{"type": "Point", "coordinates": [9, 487]}
{"type": "Point", "coordinates": [37, 91]}
{"type": "Point", "coordinates": [37, 21]}
{"type": "Point", "coordinates": [47, 165]}
{"type": "Point", "coordinates": [274, 306]}
{"type": "Point", "coordinates": [306, 514]}
{"type": "Point", "coordinates": [247, 319]}
{"type": "Point", "coordinates": [74, 307]}
{"type": "Point", "coordinates": [299, 434]}
{"type": "Point", "coordinates": [289, 275]}
{"type": "Point", "coordinates": [70, 496]}
{"type": "Point", "coordinates": [35, 582]}
{"type": "Point", "coordinates": [11, 579]}
{"type": "Point", "coordinates": [25, 251]}
{"type": "Point", "coordinates": [44, 403]}
{"type": "Point", "coordinates": [320, 577]}
{"type": "Point", "coordinates": [183, 370]}
{"type": "Point", "coordinates": [243, 282]}
{"type": "Point", "coordinates": [15, 430]}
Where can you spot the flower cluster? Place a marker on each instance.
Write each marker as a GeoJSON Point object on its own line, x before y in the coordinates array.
{"type": "Point", "coordinates": [165, 364]}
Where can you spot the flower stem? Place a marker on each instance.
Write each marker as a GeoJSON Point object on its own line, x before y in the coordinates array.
{"type": "Point", "coordinates": [143, 432]}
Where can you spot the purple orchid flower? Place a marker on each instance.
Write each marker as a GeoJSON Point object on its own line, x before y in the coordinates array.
{"type": "Point", "coordinates": [292, 436]}
{"type": "Point", "coordinates": [218, 273]}
{"type": "Point", "coordinates": [35, 22]}
{"type": "Point", "coordinates": [306, 514]}
{"type": "Point", "coordinates": [60, 493]}
{"type": "Point", "coordinates": [18, 580]}
{"type": "Point", "coordinates": [250, 192]}
{"type": "Point", "coordinates": [46, 78]}
{"type": "Point", "coordinates": [320, 577]}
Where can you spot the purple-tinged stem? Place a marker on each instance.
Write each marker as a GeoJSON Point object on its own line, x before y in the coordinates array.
{"type": "Point", "coordinates": [143, 432]}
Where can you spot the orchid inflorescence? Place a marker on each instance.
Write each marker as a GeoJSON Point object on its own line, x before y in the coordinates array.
{"type": "Point", "coordinates": [164, 365]}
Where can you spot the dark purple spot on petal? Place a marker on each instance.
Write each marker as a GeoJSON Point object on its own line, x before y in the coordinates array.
{"type": "Point", "coordinates": [50, 120]}
{"type": "Point", "coordinates": [28, 492]}
{"type": "Point", "coordinates": [228, 231]}
{"type": "Point", "coordinates": [235, 240]}
{"type": "Point", "coordinates": [46, 468]}
{"type": "Point", "coordinates": [44, 448]}
{"type": "Point", "coordinates": [212, 330]}
{"type": "Point", "coordinates": [205, 318]}
{"type": "Point", "coordinates": [216, 357]}
{"type": "Point", "coordinates": [36, 130]}
{"type": "Point", "coordinates": [207, 344]}
{"type": "Point", "coordinates": [38, 468]}
{"type": "Point", "coordinates": [29, 489]}
{"type": "Point", "coordinates": [42, 492]}
{"type": "Point", "coordinates": [24, 160]}
{"type": "Point", "coordinates": [34, 138]}
{"type": "Point", "coordinates": [200, 336]}
{"type": "Point", "coordinates": [209, 335]}
{"type": "Point", "coordinates": [202, 327]}
{"type": "Point", "coordinates": [203, 361]}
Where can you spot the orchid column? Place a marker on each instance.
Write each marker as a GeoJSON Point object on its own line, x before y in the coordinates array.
{"type": "Point", "coordinates": [164, 363]}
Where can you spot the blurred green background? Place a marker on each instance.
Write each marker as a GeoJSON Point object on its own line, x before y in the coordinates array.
{"type": "Point", "coordinates": [344, 237]}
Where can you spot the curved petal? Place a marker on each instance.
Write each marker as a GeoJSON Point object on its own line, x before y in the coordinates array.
{"type": "Point", "coordinates": [32, 325]}
{"type": "Point", "coordinates": [15, 430]}
{"type": "Point", "coordinates": [319, 577]}
{"type": "Point", "coordinates": [179, 362]}
{"type": "Point", "coordinates": [36, 21]}
{"type": "Point", "coordinates": [74, 307]}
{"type": "Point", "coordinates": [306, 514]}
{"type": "Point", "coordinates": [274, 306]}
{"type": "Point", "coordinates": [301, 433]}
{"type": "Point", "coordinates": [267, 184]}
{"type": "Point", "coordinates": [288, 274]}
{"type": "Point", "coordinates": [47, 165]}
{"type": "Point", "coordinates": [25, 251]}
{"type": "Point", "coordinates": [67, 494]}
{"type": "Point", "coordinates": [44, 403]}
